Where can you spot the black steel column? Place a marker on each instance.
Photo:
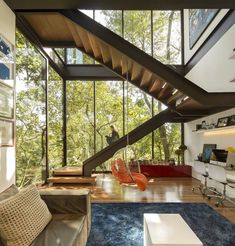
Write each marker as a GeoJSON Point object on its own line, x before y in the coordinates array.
{"type": "Point", "coordinates": [152, 97]}
{"type": "Point", "coordinates": [123, 88]}
{"type": "Point", "coordinates": [182, 36]}
{"type": "Point", "coordinates": [94, 98]}
{"type": "Point", "coordinates": [64, 124]}
{"type": "Point", "coordinates": [182, 139]}
{"type": "Point", "coordinates": [47, 120]}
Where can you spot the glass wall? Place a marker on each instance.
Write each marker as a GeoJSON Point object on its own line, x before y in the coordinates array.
{"type": "Point", "coordinates": [30, 113]}
{"type": "Point", "coordinates": [158, 33]}
{"type": "Point", "coordinates": [137, 29]}
{"type": "Point", "coordinates": [166, 140]}
{"type": "Point", "coordinates": [139, 107]}
{"type": "Point", "coordinates": [55, 120]}
{"type": "Point", "coordinates": [112, 19]}
{"type": "Point", "coordinates": [75, 56]}
{"type": "Point", "coordinates": [167, 36]}
{"type": "Point", "coordinates": [80, 121]}
{"type": "Point", "coordinates": [109, 110]}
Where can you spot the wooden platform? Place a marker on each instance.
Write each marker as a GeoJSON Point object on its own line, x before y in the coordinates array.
{"type": "Point", "coordinates": [68, 171]}
{"type": "Point", "coordinates": [71, 180]}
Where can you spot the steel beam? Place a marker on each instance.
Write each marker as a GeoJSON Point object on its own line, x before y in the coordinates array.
{"type": "Point", "coordinates": [89, 72]}
{"type": "Point", "coordinates": [119, 4]}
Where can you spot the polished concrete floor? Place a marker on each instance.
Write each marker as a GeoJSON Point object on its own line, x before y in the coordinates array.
{"type": "Point", "coordinates": [107, 189]}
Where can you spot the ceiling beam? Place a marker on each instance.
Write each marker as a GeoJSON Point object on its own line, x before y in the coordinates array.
{"type": "Point", "coordinates": [119, 4]}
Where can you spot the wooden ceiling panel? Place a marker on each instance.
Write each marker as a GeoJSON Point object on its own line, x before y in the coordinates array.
{"type": "Point", "coordinates": [50, 27]}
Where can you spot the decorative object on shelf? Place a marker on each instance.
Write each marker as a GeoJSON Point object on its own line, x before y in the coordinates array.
{"type": "Point", "coordinates": [230, 149]}
{"type": "Point", "coordinates": [222, 122]}
{"type": "Point", "coordinates": [206, 153]}
{"type": "Point", "coordinates": [231, 121]}
{"type": "Point", "coordinates": [211, 126]}
{"type": "Point", "coordinates": [198, 127]}
{"type": "Point", "coordinates": [199, 20]}
{"type": "Point", "coordinates": [6, 133]}
{"type": "Point", "coordinates": [6, 61]}
{"type": "Point", "coordinates": [6, 101]}
{"type": "Point", "coordinates": [203, 124]}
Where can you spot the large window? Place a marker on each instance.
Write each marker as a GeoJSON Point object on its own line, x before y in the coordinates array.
{"type": "Point", "coordinates": [109, 110]}
{"type": "Point", "coordinates": [166, 140]}
{"type": "Point", "coordinates": [80, 121]}
{"type": "Point", "coordinates": [55, 120]}
{"type": "Point", "coordinates": [158, 33]}
{"type": "Point", "coordinates": [30, 113]}
{"type": "Point", "coordinates": [139, 107]}
{"type": "Point", "coordinates": [111, 19]}
{"type": "Point", "coordinates": [167, 36]}
{"type": "Point", "coordinates": [137, 29]}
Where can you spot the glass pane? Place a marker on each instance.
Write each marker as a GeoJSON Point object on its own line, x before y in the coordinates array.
{"type": "Point", "coordinates": [158, 107]}
{"type": "Point", "coordinates": [139, 107]}
{"type": "Point", "coordinates": [167, 36]}
{"type": "Point", "coordinates": [142, 150]}
{"type": "Point", "coordinates": [30, 113]}
{"type": "Point", "coordinates": [166, 140]}
{"type": "Point", "coordinates": [109, 110]}
{"type": "Point", "coordinates": [111, 19]}
{"type": "Point", "coordinates": [55, 117]}
{"type": "Point", "coordinates": [80, 121]}
{"type": "Point", "coordinates": [87, 12]}
{"type": "Point", "coordinates": [75, 56]}
{"type": "Point", "coordinates": [60, 52]}
{"type": "Point", "coordinates": [137, 29]}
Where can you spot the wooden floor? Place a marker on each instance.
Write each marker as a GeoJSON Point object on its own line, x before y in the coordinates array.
{"type": "Point", "coordinates": [107, 189]}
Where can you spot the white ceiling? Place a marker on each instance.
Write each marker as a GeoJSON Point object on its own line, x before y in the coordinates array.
{"type": "Point", "coordinates": [214, 71]}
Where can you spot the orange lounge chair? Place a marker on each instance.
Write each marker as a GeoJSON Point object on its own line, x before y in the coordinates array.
{"type": "Point", "coordinates": [121, 173]}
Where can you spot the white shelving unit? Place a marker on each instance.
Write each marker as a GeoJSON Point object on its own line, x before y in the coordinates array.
{"type": "Point", "coordinates": [215, 129]}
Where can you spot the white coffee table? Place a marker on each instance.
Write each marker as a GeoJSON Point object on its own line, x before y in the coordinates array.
{"type": "Point", "coordinates": [168, 230]}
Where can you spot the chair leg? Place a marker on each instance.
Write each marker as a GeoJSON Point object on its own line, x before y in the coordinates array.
{"type": "Point", "coordinates": [202, 188]}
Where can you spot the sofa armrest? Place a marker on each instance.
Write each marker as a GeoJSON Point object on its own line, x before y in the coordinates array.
{"type": "Point", "coordinates": [67, 201]}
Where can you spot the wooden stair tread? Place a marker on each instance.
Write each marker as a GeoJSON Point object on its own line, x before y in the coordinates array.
{"type": "Point", "coordinates": [68, 171]}
{"type": "Point", "coordinates": [71, 180]}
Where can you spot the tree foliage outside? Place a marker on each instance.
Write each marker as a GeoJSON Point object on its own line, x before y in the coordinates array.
{"type": "Point", "coordinates": [92, 106]}
{"type": "Point", "coordinates": [30, 112]}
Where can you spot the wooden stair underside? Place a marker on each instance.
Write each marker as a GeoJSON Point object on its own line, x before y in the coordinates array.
{"type": "Point", "coordinates": [56, 27]}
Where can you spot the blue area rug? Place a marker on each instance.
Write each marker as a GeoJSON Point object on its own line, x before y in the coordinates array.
{"type": "Point", "coordinates": [121, 224]}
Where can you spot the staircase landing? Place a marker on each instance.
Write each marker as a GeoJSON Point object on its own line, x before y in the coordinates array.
{"type": "Point", "coordinates": [71, 180]}
{"type": "Point", "coordinates": [68, 171]}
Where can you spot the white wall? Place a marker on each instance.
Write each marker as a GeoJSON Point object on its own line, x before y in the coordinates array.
{"type": "Point", "coordinates": [188, 53]}
{"type": "Point", "coordinates": [215, 70]}
{"type": "Point", "coordinates": [7, 154]}
{"type": "Point", "coordinates": [194, 141]}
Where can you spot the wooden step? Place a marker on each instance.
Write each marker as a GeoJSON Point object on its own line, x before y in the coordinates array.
{"type": "Point", "coordinates": [71, 180]}
{"type": "Point", "coordinates": [68, 171]}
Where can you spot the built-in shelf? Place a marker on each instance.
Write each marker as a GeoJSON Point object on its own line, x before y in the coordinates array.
{"type": "Point", "coordinates": [214, 129]}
